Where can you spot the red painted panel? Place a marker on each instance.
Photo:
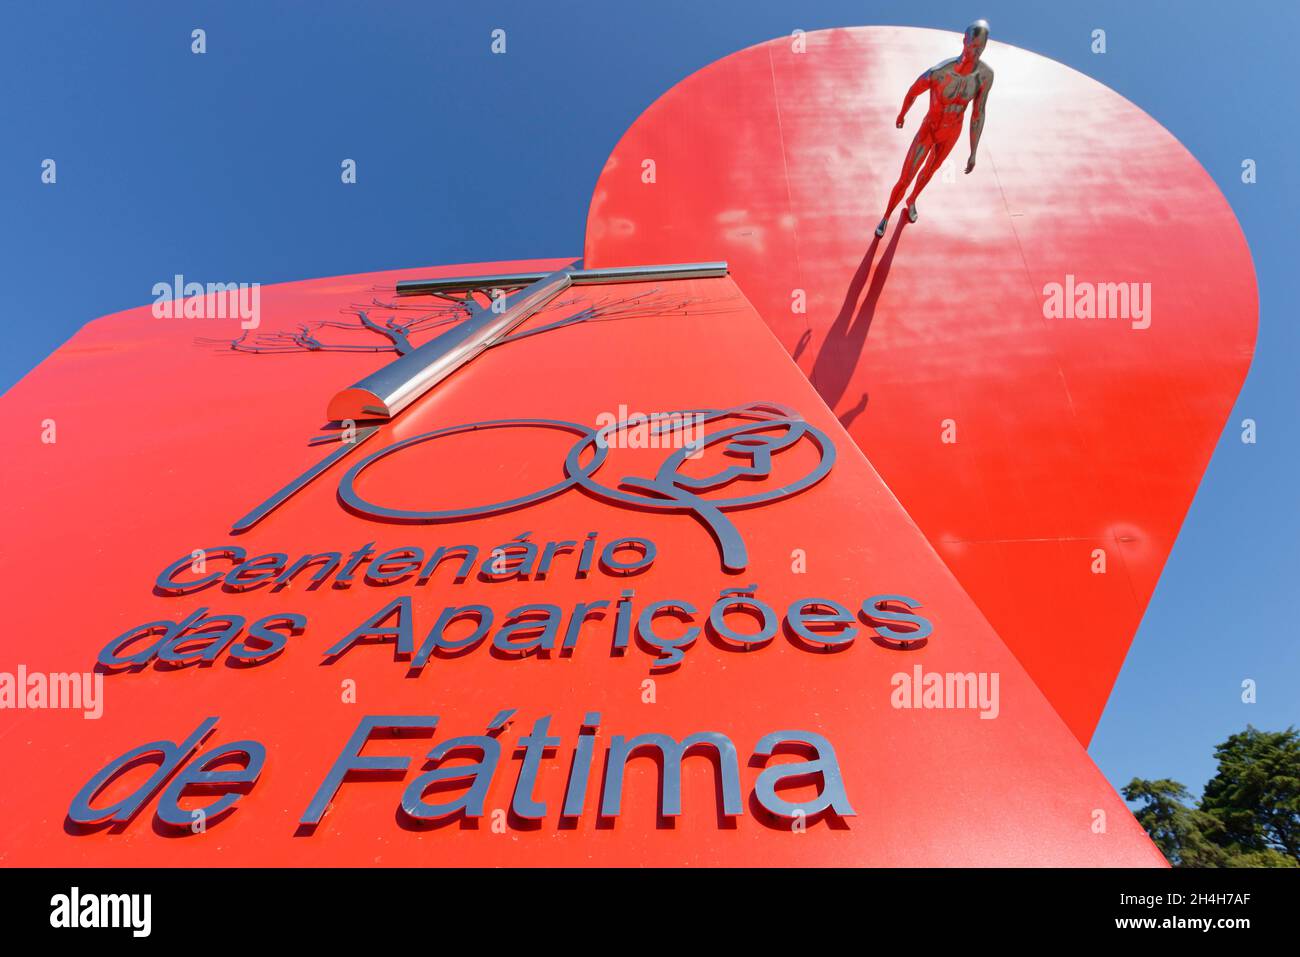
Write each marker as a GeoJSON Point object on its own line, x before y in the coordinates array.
{"type": "Point", "coordinates": [1069, 432]}
{"type": "Point", "coordinates": [161, 444]}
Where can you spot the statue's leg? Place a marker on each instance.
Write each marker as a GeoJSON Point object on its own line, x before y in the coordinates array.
{"type": "Point", "coordinates": [916, 153]}
{"type": "Point", "coordinates": [937, 155]}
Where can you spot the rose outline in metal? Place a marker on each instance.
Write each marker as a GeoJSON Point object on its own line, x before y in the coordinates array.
{"type": "Point", "coordinates": [668, 490]}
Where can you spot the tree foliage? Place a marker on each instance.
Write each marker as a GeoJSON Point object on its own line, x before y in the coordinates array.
{"type": "Point", "coordinates": [1248, 816]}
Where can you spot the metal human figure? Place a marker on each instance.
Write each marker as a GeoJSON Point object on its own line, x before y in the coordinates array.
{"type": "Point", "coordinates": [952, 84]}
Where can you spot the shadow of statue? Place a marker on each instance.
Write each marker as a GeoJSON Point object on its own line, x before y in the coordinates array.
{"type": "Point", "coordinates": [839, 354]}
{"type": "Point", "coordinates": [848, 416]}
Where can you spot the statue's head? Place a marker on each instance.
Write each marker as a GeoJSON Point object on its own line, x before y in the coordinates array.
{"type": "Point", "coordinates": [976, 38]}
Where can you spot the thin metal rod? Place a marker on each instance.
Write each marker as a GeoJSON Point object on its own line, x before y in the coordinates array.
{"type": "Point", "coordinates": [579, 277]}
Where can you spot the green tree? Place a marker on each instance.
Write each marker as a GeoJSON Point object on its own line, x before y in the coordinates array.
{"type": "Point", "coordinates": [1256, 794]}
{"type": "Point", "coordinates": [1181, 832]}
{"type": "Point", "coordinates": [1249, 815]}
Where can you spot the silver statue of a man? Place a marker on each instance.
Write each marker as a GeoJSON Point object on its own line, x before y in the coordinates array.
{"type": "Point", "coordinates": [952, 85]}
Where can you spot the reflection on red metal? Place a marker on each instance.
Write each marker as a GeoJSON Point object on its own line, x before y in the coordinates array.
{"type": "Point", "coordinates": [1040, 369]}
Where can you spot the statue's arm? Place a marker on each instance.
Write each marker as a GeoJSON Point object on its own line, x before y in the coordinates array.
{"type": "Point", "coordinates": [916, 89]}
{"type": "Point", "coordinates": [978, 112]}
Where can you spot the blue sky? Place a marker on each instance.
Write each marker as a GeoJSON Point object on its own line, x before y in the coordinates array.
{"type": "Point", "coordinates": [227, 165]}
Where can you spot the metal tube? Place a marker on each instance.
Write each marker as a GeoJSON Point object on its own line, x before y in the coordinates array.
{"type": "Point", "coordinates": [418, 287]}
{"type": "Point", "coordinates": [711, 270]}
{"type": "Point", "coordinates": [385, 392]}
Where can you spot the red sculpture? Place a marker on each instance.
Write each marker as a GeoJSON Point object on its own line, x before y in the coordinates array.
{"type": "Point", "coordinates": [952, 84]}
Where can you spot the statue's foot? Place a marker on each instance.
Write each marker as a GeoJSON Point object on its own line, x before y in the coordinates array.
{"type": "Point", "coordinates": [880, 230]}
{"type": "Point", "coordinates": [911, 212]}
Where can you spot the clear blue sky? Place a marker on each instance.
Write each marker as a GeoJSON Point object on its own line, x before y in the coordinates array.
{"type": "Point", "coordinates": [227, 166]}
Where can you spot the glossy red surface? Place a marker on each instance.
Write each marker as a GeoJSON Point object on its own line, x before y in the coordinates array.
{"type": "Point", "coordinates": [1072, 435]}
{"type": "Point", "coordinates": [161, 444]}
